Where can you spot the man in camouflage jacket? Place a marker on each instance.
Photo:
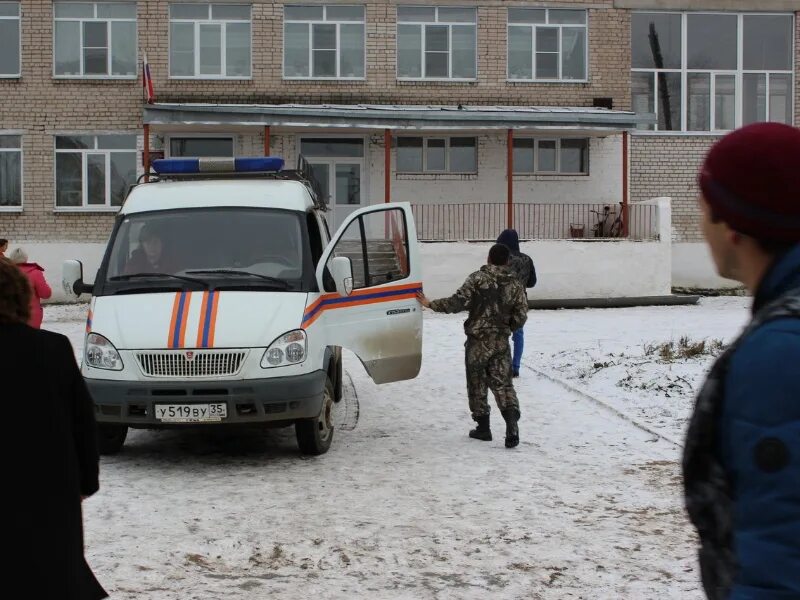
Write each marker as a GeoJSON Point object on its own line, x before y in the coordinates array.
{"type": "Point", "coordinates": [497, 305]}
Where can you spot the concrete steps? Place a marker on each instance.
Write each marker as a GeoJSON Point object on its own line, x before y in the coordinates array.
{"type": "Point", "coordinates": [384, 264]}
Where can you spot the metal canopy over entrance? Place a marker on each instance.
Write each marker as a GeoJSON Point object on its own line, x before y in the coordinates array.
{"type": "Point", "coordinates": [405, 117]}
{"type": "Point", "coordinates": [344, 176]}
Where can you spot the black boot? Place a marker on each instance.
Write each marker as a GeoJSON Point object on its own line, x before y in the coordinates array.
{"type": "Point", "coordinates": [512, 430]}
{"type": "Point", "coordinates": [482, 431]}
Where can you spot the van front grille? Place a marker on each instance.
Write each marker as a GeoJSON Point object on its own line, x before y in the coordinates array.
{"type": "Point", "coordinates": [191, 363]}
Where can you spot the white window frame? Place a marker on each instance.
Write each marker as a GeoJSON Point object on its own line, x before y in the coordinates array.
{"type": "Point", "coordinates": [19, 207]}
{"type": "Point", "coordinates": [447, 139]}
{"type": "Point", "coordinates": [558, 172]}
{"type": "Point", "coordinates": [324, 21]}
{"type": "Point", "coordinates": [18, 19]}
{"type": "Point", "coordinates": [438, 23]}
{"type": "Point", "coordinates": [85, 206]}
{"type": "Point", "coordinates": [533, 27]}
{"type": "Point", "coordinates": [738, 74]}
{"type": "Point", "coordinates": [95, 19]}
{"type": "Point", "coordinates": [223, 41]}
{"type": "Point", "coordinates": [712, 113]}
{"type": "Point", "coordinates": [221, 136]}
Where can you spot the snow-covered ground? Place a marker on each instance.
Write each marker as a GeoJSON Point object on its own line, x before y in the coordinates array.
{"type": "Point", "coordinates": [405, 505]}
{"type": "Point", "coordinates": [604, 353]}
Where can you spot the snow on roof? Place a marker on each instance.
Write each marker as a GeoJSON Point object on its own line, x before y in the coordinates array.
{"type": "Point", "coordinates": [392, 116]}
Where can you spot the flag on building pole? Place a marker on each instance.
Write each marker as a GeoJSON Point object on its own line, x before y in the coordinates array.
{"type": "Point", "coordinates": [147, 82]}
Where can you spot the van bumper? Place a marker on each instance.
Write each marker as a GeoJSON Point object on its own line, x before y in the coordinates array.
{"type": "Point", "coordinates": [249, 401]}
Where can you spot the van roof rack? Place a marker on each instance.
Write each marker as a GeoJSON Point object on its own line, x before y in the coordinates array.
{"type": "Point", "coordinates": [226, 169]}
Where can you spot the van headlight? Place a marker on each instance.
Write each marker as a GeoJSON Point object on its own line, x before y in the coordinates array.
{"type": "Point", "coordinates": [101, 354]}
{"type": "Point", "coordinates": [289, 349]}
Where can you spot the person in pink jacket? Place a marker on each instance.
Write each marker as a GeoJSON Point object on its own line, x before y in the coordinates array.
{"type": "Point", "coordinates": [40, 289]}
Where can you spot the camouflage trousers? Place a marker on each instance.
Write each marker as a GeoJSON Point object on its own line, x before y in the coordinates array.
{"type": "Point", "coordinates": [488, 362]}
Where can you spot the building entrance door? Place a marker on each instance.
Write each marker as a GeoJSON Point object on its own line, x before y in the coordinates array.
{"type": "Point", "coordinates": [338, 165]}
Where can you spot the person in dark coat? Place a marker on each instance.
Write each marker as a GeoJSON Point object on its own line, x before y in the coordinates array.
{"type": "Point", "coordinates": [522, 267]}
{"type": "Point", "coordinates": [51, 454]}
{"type": "Point", "coordinates": [152, 255]}
{"type": "Point", "coordinates": [741, 461]}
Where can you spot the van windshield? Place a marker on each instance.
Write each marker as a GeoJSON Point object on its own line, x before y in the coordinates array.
{"type": "Point", "coordinates": [234, 248]}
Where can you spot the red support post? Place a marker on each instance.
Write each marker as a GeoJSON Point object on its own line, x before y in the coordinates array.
{"type": "Point", "coordinates": [266, 140]}
{"type": "Point", "coordinates": [625, 208]}
{"type": "Point", "coordinates": [387, 165]}
{"type": "Point", "coordinates": [146, 153]}
{"type": "Point", "coordinates": [510, 178]}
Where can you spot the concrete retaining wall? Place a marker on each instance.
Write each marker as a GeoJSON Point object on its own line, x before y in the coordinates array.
{"type": "Point", "coordinates": [692, 267]}
{"type": "Point", "coordinates": [566, 268]}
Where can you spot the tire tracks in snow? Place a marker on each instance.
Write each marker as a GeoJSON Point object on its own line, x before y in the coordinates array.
{"type": "Point", "coordinates": [604, 405]}
{"type": "Point", "coordinates": [348, 409]}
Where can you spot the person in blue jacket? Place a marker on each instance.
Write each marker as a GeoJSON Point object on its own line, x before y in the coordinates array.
{"type": "Point", "coordinates": [741, 462]}
{"type": "Point", "coordinates": [522, 268]}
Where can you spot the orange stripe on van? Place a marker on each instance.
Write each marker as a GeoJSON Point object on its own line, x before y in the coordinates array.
{"type": "Point", "coordinates": [171, 332]}
{"type": "Point", "coordinates": [212, 329]}
{"type": "Point", "coordinates": [359, 298]}
{"type": "Point", "coordinates": [185, 320]}
{"type": "Point", "coordinates": [203, 310]}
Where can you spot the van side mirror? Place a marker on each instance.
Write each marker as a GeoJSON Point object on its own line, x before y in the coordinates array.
{"type": "Point", "coordinates": [72, 279]}
{"type": "Point", "coordinates": [342, 272]}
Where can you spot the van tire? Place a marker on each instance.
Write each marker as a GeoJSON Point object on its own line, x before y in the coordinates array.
{"type": "Point", "coordinates": [111, 438]}
{"type": "Point", "coordinates": [314, 436]}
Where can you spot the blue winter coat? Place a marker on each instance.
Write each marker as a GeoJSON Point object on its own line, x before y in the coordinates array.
{"type": "Point", "coordinates": [760, 421]}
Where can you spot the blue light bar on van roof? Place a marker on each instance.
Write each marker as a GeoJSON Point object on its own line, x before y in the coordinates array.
{"type": "Point", "coordinates": [187, 166]}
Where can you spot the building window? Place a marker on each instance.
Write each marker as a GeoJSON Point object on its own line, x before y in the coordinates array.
{"type": "Point", "coordinates": [436, 43]}
{"type": "Point", "coordinates": [561, 156]}
{"type": "Point", "coordinates": [201, 147]}
{"type": "Point", "coordinates": [547, 44]}
{"type": "Point", "coordinates": [9, 39]}
{"type": "Point", "coordinates": [94, 171]}
{"type": "Point", "coordinates": [10, 171]}
{"type": "Point", "coordinates": [437, 155]}
{"type": "Point", "coordinates": [712, 72]}
{"type": "Point", "coordinates": [323, 42]}
{"type": "Point", "coordinates": [209, 41]}
{"type": "Point", "coordinates": [95, 40]}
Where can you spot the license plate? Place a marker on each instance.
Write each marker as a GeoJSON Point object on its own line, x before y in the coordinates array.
{"type": "Point", "coordinates": [191, 413]}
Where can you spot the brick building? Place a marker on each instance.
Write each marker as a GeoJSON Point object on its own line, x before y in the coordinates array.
{"type": "Point", "coordinates": [603, 101]}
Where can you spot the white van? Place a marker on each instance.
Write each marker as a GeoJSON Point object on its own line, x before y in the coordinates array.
{"type": "Point", "coordinates": [222, 299]}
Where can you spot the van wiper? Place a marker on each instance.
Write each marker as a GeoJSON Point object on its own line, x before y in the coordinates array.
{"type": "Point", "coordinates": [146, 275]}
{"type": "Point", "coordinates": [278, 282]}
{"type": "Point", "coordinates": [151, 289]}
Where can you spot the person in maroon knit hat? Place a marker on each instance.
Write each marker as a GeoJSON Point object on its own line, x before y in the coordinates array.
{"type": "Point", "coordinates": [741, 462]}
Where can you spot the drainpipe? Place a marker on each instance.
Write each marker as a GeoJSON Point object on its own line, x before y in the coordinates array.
{"type": "Point", "coordinates": [387, 165]}
{"type": "Point", "coordinates": [266, 140]}
{"type": "Point", "coordinates": [625, 208]}
{"type": "Point", "coordinates": [146, 153]}
{"type": "Point", "coordinates": [510, 178]}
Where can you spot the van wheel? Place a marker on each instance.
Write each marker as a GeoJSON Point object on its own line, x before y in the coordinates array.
{"type": "Point", "coordinates": [314, 436]}
{"type": "Point", "coordinates": [111, 438]}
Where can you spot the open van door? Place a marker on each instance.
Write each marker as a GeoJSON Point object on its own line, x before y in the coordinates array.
{"type": "Point", "coordinates": [368, 277]}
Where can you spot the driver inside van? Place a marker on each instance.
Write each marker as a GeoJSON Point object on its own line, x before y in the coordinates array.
{"type": "Point", "coordinates": [149, 257]}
